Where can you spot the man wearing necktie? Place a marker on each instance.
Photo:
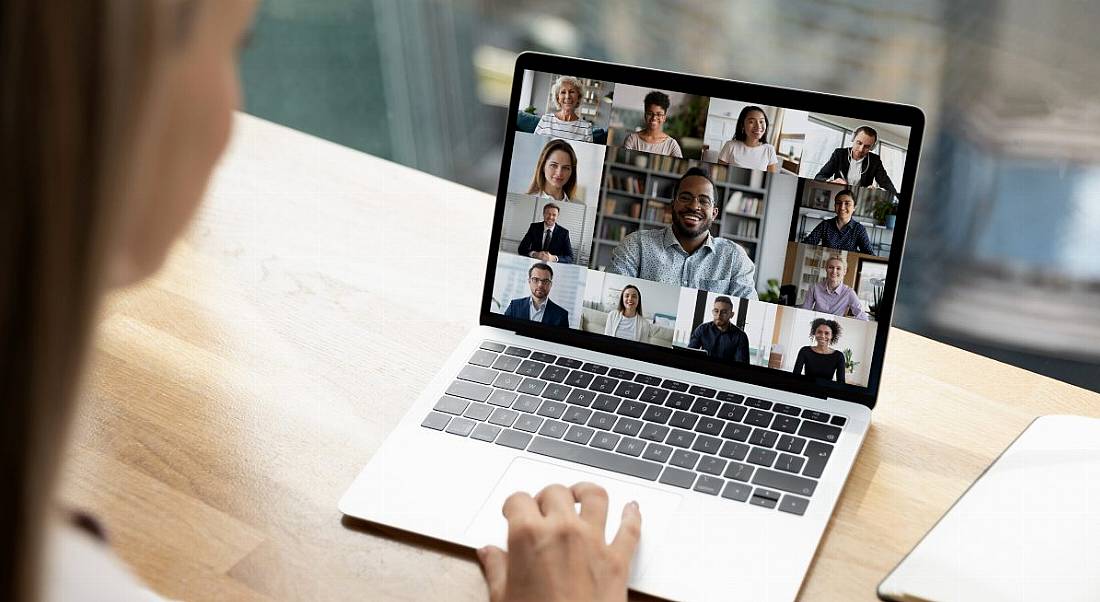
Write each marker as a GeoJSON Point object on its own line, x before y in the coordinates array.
{"type": "Point", "coordinates": [546, 240]}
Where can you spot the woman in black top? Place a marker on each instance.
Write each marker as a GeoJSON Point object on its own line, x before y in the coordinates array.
{"type": "Point", "coordinates": [821, 360]}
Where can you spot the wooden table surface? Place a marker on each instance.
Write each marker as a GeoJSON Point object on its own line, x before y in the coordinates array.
{"type": "Point", "coordinates": [233, 398]}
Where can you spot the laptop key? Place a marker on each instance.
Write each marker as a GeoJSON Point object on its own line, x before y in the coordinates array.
{"type": "Point", "coordinates": [581, 397]}
{"type": "Point", "coordinates": [736, 491]}
{"type": "Point", "coordinates": [737, 432]}
{"type": "Point", "coordinates": [646, 379]}
{"type": "Point", "coordinates": [704, 406]}
{"type": "Point", "coordinates": [739, 472]}
{"type": "Point", "coordinates": [469, 390]}
{"type": "Point", "coordinates": [794, 504]}
{"type": "Point", "coordinates": [551, 409]}
{"type": "Point", "coordinates": [485, 432]}
{"type": "Point", "coordinates": [514, 439]}
{"type": "Point", "coordinates": [435, 421]}
{"type": "Point", "coordinates": [502, 417]}
{"type": "Point", "coordinates": [657, 414]}
{"type": "Point", "coordinates": [632, 408]}
{"type": "Point", "coordinates": [460, 426]}
{"type": "Point", "coordinates": [478, 411]}
{"type": "Point", "coordinates": [603, 384]}
{"type": "Point", "coordinates": [529, 423]}
{"type": "Point", "coordinates": [594, 368]}
{"type": "Point", "coordinates": [653, 395]}
{"type": "Point", "coordinates": [764, 498]}
{"type": "Point", "coordinates": [506, 363]}
{"type": "Point", "coordinates": [783, 408]}
{"type": "Point", "coordinates": [657, 452]}
{"type": "Point", "coordinates": [816, 430]}
{"type": "Point", "coordinates": [619, 373]}
{"type": "Point", "coordinates": [518, 351]}
{"type": "Point", "coordinates": [605, 440]}
{"type": "Point", "coordinates": [838, 420]}
{"type": "Point", "coordinates": [684, 459]}
{"type": "Point", "coordinates": [730, 397]}
{"type": "Point", "coordinates": [654, 432]}
{"type": "Point", "coordinates": [628, 426]}
{"type": "Point", "coordinates": [508, 382]}
{"type": "Point", "coordinates": [596, 458]}
{"type": "Point", "coordinates": [702, 391]}
{"type": "Point", "coordinates": [631, 446]}
{"type": "Point", "coordinates": [787, 424]}
{"type": "Point", "coordinates": [684, 420]}
{"type": "Point", "coordinates": [675, 385]}
{"type": "Point", "coordinates": [543, 357]}
{"type": "Point", "coordinates": [553, 428]}
{"type": "Point", "coordinates": [530, 368]}
{"type": "Point", "coordinates": [761, 456]}
{"type": "Point", "coordinates": [790, 443]}
{"type": "Point", "coordinates": [606, 403]}
{"type": "Point", "coordinates": [763, 438]}
{"type": "Point", "coordinates": [758, 418]}
{"type": "Point", "coordinates": [554, 374]}
{"type": "Point", "coordinates": [492, 346]}
{"type": "Point", "coordinates": [680, 438]}
{"type": "Point", "coordinates": [711, 465]}
{"type": "Point", "coordinates": [730, 411]}
{"type": "Point", "coordinates": [753, 402]}
{"type": "Point", "coordinates": [556, 392]}
{"type": "Point", "coordinates": [576, 414]}
{"type": "Point", "coordinates": [784, 482]}
{"type": "Point", "coordinates": [579, 434]}
{"type": "Point", "coordinates": [577, 378]}
{"type": "Point", "coordinates": [707, 445]}
{"type": "Point", "coordinates": [482, 358]}
{"type": "Point", "coordinates": [526, 403]}
{"type": "Point", "coordinates": [502, 398]}
{"type": "Point", "coordinates": [569, 362]}
{"type": "Point", "coordinates": [817, 455]}
{"type": "Point", "coordinates": [451, 405]}
{"type": "Point", "coordinates": [676, 477]}
{"type": "Point", "coordinates": [602, 421]}
{"type": "Point", "coordinates": [789, 463]}
{"type": "Point", "coordinates": [708, 484]}
{"type": "Point", "coordinates": [734, 450]}
{"type": "Point", "coordinates": [710, 426]}
{"type": "Point", "coordinates": [767, 494]}
{"type": "Point", "coordinates": [628, 390]}
{"type": "Point", "coordinates": [679, 401]}
{"type": "Point", "coordinates": [815, 416]}
{"type": "Point", "coordinates": [532, 386]}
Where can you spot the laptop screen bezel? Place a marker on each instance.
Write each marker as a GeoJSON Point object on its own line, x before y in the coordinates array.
{"type": "Point", "coordinates": [818, 102]}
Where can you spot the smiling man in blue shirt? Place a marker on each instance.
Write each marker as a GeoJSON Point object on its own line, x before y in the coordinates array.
{"type": "Point", "coordinates": [684, 253]}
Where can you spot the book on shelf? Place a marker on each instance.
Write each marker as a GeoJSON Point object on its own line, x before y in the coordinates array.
{"type": "Point", "coordinates": [739, 202]}
{"type": "Point", "coordinates": [616, 207]}
{"type": "Point", "coordinates": [745, 228]}
{"type": "Point", "coordinates": [615, 232]}
{"type": "Point", "coordinates": [624, 183]}
{"type": "Point", "coordinates": [658, 211]}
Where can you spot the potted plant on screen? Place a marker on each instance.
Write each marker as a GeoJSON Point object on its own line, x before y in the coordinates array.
{"type": "Point", "coordinates": [849, 364]}
{"type": "Point", "coordinates": [885, 212]}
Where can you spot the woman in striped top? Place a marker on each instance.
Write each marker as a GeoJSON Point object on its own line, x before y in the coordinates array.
{"type": "Point", "coordinates": [565, 123]}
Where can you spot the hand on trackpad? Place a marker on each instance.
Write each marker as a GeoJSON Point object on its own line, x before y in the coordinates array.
{"type": "Point", "coordinates": [657, 507]}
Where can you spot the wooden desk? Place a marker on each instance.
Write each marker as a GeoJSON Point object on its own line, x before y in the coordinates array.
{"type": "Point", "coordinates": [233, 398]}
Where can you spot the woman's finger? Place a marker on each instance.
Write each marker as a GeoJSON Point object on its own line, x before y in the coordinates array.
{"type": "Point", "coordinates": [494, 563]}
{"type": "Point", "coordinates": [556, 500]}
{"type": "Point", "coordinates": [593, 500]}
{"type": "Point", "coordinates": [630, 531]}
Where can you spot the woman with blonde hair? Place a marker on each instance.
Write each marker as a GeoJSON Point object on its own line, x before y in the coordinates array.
{"type": "Point", "coordinates": [555, 172]}
{"type": "Point", "coordinates": [565, 123]}
{"type": "Point", "coordinates": [113, 114]}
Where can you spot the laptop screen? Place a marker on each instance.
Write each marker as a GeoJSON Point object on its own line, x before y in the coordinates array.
{"type": "Point", "coordinates": [730, 228]}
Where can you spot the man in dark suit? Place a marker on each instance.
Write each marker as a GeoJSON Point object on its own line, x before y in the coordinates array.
{"type": "Point", "coordinates": [547, 241]}
{"type": "Point", "coordinates": [857, 165]}
{"type": "Point", "coordinates": [538, 307]}
{"type": "Point", "coordinates": [721, 338]}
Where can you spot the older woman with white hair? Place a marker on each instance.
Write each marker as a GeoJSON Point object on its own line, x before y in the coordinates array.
{"type": "Point", "coordinates": [565, 123]}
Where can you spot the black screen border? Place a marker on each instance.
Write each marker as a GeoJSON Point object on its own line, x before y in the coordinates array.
{"type": "Point", "coordinates": [788, 98]}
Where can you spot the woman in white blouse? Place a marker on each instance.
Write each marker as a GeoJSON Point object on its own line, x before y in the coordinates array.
{"type": "Point", "coordinates": [749, 148]}
{"type": "Point", "coordinates": [555, 172]}
{"type": "Point", "coordinates": [565, 123]}
{"type": "Point", "coordinates": [627, 322]}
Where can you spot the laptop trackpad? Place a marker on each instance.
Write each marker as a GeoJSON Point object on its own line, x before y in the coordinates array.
{"type": "Point", "coordinates": [524, 474]}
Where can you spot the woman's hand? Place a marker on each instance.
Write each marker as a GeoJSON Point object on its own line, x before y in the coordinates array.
{"type": "Point", "coordinates": [555, 554]}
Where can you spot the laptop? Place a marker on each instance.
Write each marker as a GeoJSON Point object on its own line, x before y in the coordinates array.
{"type": "Point", "coordinates": [687, 298]}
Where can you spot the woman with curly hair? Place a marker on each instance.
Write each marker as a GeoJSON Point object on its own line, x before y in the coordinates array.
{"type": "Point", "coordinates": [820, 360]}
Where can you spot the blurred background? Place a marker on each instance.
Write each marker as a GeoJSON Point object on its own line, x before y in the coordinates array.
{"type": "Point", "coordinates": [1004, 252]}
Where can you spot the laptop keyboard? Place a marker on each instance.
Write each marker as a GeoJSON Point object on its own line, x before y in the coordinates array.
{"type": "Point", "coordinates": [698, 438]}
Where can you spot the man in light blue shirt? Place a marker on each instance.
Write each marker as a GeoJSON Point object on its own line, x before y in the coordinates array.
{"type": "Point", "coordinates": [684, 253]}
